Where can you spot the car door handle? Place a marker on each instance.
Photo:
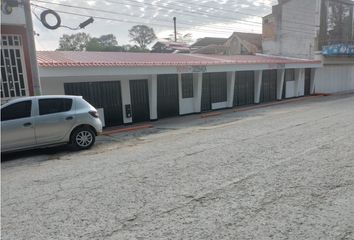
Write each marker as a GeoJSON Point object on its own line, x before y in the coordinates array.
{"type": "Point", "coordinates": [69, 118]}
{"type": "Point", "coordinates": [27, 124]}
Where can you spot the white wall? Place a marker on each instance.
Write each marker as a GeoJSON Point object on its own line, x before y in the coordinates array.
{"type": "Point", "coordinates": [17, 17]}
{"type": "Point", "coordinates": [190, 105]}
{"type": "Point", "coordinates": [334, 78]}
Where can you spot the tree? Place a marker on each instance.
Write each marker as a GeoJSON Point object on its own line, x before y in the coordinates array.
{"type": "Point", "coordinates": [134, 48]}
{"type": "Point", "coordinates": [142, 35]}
{"type": "Point", "coordinates": [108, 40]}
{"type": "Point", "coordinates": [105, 43]}
{"type": "Point", "coordinates": [74, 42]}
{"type": "Point", "coordinates": [181, 38]}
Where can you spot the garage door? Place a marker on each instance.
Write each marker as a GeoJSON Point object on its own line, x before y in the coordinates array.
{"type": "Point", "coordinates": [106, 95]}
{"type": "Point", "coordinates": [269, 86]}
{"type": "Point", "coordinates": [139, 94]}
{"type": "Point", "coordinates": [244, 88]}
{"type": "Point", "coordinates": [167, 95]}
{"type": "Point", "coordinates": [214, 90]}
{"type": "Point", "coordinates": [307, 81]}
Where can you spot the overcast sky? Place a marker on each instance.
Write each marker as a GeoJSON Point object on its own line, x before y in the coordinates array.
{"type": "Point", "coordinates": [201, 18]}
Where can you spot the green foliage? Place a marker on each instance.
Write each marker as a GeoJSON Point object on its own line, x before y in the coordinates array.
{"type": "Point", "coordinates": [181, 38]}
{"type": "Point", "coordinates": [142, 35]}
{"type": "Point", "coordinates": [104, 43]}
{"type": "Point", "coordinates": [74, 42]}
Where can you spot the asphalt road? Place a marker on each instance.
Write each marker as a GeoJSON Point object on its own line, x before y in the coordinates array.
{"type": "Point", "coordinates": [282, 172]}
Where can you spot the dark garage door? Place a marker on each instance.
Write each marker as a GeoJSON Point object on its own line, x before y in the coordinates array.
{"type": "Point", "coordinates": [139, 95]}
{"type": "Point", "coordinates": [269, 86]}
{"type": "Point", "coordinates": [106, 95]}
{"type": "Point", "coordinates": [307, 81]}
{"type": "Point", "coordinates": [167, 95]}
{"type": "Point", "coordinates": [244, 88]}
{"type": "Point", "coordinates": [214, 90]}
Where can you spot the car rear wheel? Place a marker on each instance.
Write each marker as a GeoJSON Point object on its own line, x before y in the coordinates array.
{"type": "Point", "coordinates": [83, 138]}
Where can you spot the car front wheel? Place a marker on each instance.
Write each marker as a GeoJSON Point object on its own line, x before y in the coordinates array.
{"type": "Point", "coordinates": [83, 138]}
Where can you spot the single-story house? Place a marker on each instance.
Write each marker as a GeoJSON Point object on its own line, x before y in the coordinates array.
{"type": "Point", "coordinates": [135, 87]}
{"type": "Point", "coordinates": [170, 47]}
{"type": "Point", "coordinates": [207, 41]}
{"type": "Point", "coordinates": [239, 43]}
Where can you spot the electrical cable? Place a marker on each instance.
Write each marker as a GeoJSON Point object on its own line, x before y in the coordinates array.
{"type": "Point", "coordinates": [126, 21]}
{"type": "Point", "coordinates": [112, 12]}
{"type": "Point", "coordinates": [194, 4]}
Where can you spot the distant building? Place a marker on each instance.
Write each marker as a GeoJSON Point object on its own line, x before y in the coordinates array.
{"type": "Point", "coordinates": [207, 41]}
{"type": "Point", "coordinates": [316, 29]}
{"type": "Point", "coordinates": [238, 43]}
{"type": "Point", "coordinates": [16, 71]}
{"type": "Point", "coordinates": [170, 47]}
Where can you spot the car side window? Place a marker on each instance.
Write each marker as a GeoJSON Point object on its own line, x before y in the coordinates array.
{"type": "Point", "coordinates": [54, 105]}
{"type": "Point", "coordinates": [16, 111]}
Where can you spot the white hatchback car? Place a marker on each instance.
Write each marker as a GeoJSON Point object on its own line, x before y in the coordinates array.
{"type": "Point", "coordinates": [35, 122]}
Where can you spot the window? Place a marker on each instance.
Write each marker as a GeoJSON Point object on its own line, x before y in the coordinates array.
{"type": "Point", "coordinates": [16, 111]}
{"type": "Point", "coordinates": [289, 75]}
{"type": "Point", "coordinates": [54, 105]}
{"type": "Point", "coordinates": [187, 85]}
{"type": "Point", "coordinates": [13, 78]}
{"type": "Point", "coordinates": [337, 21]}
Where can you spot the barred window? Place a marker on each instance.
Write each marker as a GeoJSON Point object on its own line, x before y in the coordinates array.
{"type": "Point", "coordinates": [187, 85]}
{"type": "Point", "coordinates": [13, 76]}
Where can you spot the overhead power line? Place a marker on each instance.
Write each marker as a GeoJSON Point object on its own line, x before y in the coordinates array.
{"type": "Point", "coordinates": [127, 21]}
{"type": "Point", "coordinates": [200, 13]}
{"type": "Point", "coordinates": [217, 29]}
{"type": "Point", "coordinates": [185, 12]}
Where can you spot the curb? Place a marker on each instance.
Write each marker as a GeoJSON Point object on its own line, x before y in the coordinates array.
{"type": "Point", "coordinates": [127, 129]}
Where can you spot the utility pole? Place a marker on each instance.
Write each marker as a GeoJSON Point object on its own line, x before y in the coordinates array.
{"type": "Point", "coordinates": [175, 27]}
{"type": "Point", "coordinates": [32, 48]}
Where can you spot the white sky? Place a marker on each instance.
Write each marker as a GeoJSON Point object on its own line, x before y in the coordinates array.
{"type": "Point", "coordinates": [222, 17]}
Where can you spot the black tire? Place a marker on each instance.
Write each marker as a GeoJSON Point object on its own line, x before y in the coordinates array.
{"type": "Point", "coordinates": [82, 138]}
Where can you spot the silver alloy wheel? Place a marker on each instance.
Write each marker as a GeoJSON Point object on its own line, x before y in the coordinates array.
{"type": "Point", "coordinates": [84, 139]}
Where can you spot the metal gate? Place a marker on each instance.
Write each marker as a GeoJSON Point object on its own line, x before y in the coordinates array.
{"type": "Point", "coordinates": [106, 95]}
{"type": "Point", "coordinates": [139, 95]}
{"type": "Point", "coordinates": [167, 95]}
{"type": "Point", "coordinates": [214, 90]}
{"type": "Point", "coordinates": [269, 86]}
{"type": "Point", "coordinates": [244, 88]}
{"type": "Point", "coordinates": [307, 81]}
{"type": "Point", "coordinates": [13, 71]}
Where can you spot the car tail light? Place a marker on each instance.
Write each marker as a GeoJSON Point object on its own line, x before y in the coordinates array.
{"type": "Point", "coordinates": [94, 114]}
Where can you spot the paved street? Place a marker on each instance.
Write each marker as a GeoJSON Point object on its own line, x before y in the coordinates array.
{"type": "Point", "coordinates": [281, 172]}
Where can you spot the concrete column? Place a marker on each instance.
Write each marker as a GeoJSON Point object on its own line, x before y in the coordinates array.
{"type": "Point", "coordinates": [197, 88]}
{"type": "Point", "coordinates": [280, 83]}
{"type": "Point", "coordinates": [126, 100]}
{"type": "Point", "coordinates": [230, 89]}
{"type": "Point", "coordinates": [299, 82]}
{"type": "Point", "coordinates": [313, 82]}
{"type": "Point", "coordinates": [153, 97]}
{"type": "Point", "coordinates": [257, 86]}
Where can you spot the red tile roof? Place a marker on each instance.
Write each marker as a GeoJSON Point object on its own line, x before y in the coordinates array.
{"type": "Point", "coordinates": [123, 59]}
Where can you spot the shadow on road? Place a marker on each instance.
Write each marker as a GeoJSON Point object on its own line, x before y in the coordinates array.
{"type": "Point", "coordinates": [39, 155]}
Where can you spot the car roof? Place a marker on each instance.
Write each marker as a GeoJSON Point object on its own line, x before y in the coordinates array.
{"type": "Point", "coordinates": [20, 99]}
